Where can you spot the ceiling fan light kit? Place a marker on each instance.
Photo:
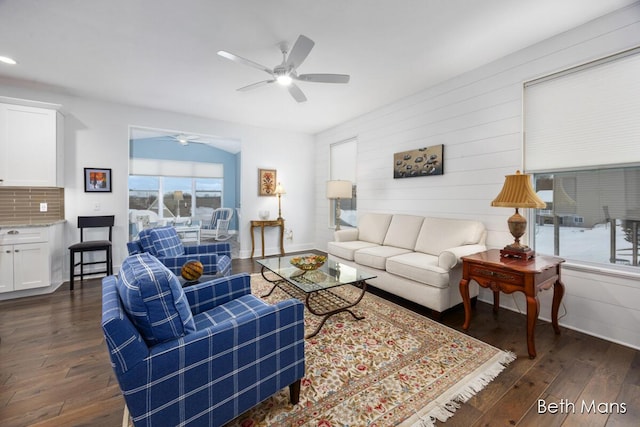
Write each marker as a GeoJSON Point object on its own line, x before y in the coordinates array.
{"type": "Point", "coordinates": [285, 73]}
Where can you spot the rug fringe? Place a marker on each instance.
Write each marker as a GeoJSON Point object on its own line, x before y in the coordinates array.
{"type": "Point", "coordinates": [446, 406]}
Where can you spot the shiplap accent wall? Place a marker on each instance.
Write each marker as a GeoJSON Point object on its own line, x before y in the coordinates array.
{"type": "Point", "coordinates": [478, 118]}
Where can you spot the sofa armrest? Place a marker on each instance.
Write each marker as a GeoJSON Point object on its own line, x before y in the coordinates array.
{"type": "Point", "coordinates": [347, 235]}
{"type": "Point", "coordinates": [207, 295]}
{"type": "Point", "coordinates": [451, 257]}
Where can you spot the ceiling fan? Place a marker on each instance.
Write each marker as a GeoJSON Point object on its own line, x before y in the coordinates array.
{"type": "Point", "coordinates": [185, 139]}
{"type": "Point", "coordinates": [285, 73]}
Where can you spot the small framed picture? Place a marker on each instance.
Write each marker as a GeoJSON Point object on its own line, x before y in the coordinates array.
{"type": "Point", "coordinates": [266, 182]}
{"type": "Point", "coordinates": [97, 180]}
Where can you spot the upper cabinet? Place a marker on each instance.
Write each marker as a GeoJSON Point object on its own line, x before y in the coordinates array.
{"type": "Point", "coordinates": [31, 145]}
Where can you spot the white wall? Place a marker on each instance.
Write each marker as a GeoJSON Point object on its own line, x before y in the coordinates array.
{"type": "Point", "coordinates": [478, 118]}
{"type": "Point", "coordinates": [97, 135]}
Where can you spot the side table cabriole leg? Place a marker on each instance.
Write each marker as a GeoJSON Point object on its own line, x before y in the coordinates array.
{"type": "Point", "coordinates": [533, 309]}
{"type": "Point", "coordinates": [466, 302]}
{"type": "Point", "coordinates": [558, 293]}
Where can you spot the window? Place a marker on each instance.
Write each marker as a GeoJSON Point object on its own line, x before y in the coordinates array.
{"type": "Point", "coordinates": [172, 197]}
{"type": "Point", "coordinates": [591, 216]}
{"type": "Point", "coordinates": [343, 158]}
{"type": "Point", "coordinates": [144, 193]}
{"type": "Point", "coordinates": [581, 144]}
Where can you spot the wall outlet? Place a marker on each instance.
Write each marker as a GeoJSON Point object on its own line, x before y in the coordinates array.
{"type": "Point", "coordinates": [43, 207]}
{"type": "Point", "coordinates": [96, 206]}
{"type": "Point", "coordinates": [288, 234]}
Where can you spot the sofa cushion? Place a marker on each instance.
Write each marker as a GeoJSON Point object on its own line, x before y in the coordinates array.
{"type": "Point", "coordinates": [403, 231]}
{"type": "Point", "coordinates": [422, 268]}
{"type": "Point", "coordinates": [372, 227]}
{"type": "Point", "coordinates": [154, 299]}
{"type": "Point", "coordinates": [346, 250]}
{"type": "Point", "coordinates": [439, 234]}
{"type": "Point", "coordinates": [166, 242]}
{"type": "Point", "coordinates": [376, 256]}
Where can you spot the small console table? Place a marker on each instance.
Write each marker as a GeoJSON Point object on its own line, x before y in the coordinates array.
{"type": "Point", "coordinates": [267, 223]}
{"type": "Point", "coordinates": [510, 275]}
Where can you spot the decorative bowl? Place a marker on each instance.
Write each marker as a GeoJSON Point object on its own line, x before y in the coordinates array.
{"type": "Point", "coordinates": [264, 215]}
{"type": "Point", "coordinates": [309, 262]}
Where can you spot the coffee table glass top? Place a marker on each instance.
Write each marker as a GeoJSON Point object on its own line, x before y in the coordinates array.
{"type": "Point", "coordinates": [330, 275]}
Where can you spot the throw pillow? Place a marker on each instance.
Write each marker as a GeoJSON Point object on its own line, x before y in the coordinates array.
{"type": "Point", "coordinates": [166, 242]}
{"type": "Point", "coordinates": [154, 299]}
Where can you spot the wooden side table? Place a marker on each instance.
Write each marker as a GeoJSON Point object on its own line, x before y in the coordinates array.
{"type": "Point", "coordinates": [267, 223]}
{"type": "Point", "coordinates": [510, 275]}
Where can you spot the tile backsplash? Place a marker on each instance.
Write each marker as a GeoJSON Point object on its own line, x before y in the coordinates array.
{"type": "Point", "coordinates": [21, 205]}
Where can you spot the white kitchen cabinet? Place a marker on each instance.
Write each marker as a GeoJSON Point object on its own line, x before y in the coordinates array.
{"type": "Point", "coordinates": [24, 266]}
{"type": "Point", "coordinates": [31, 145]}
{"type": "Point", "coordinates": [25, 258]}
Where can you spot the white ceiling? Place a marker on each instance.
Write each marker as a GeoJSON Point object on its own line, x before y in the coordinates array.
{"type": "Point", "coordinates": [162, 53]}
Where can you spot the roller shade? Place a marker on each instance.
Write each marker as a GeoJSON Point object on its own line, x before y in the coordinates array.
{"type": "Point", "coordinates": [585, 116]}
{"type": "Point", "coordinates": [153, 167]}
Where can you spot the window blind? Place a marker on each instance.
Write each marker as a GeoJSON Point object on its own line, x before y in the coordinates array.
{"type": "Point", "coordinates": [154, 167]}
{"type": "Point", "coordinates": [585, 116]}
{"type": "Point", "coordinates": [343, 160]}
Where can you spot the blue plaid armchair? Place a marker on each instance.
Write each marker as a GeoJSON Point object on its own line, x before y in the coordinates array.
{"type": "Point", "coordinates": [164, 244]}
{"type": "Point", "coordinates": [201, 355]}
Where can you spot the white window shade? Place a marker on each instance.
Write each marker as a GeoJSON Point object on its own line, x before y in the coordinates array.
{"type": "Point", "coordinates": [343, 160]}
{"type": "Point", "coordinates": [586, 116]}
{"type": "Point", "coordinates": [154, 167]}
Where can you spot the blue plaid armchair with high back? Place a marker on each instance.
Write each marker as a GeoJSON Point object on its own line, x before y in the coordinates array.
{"type": "Point", "coordinates": [164, 244]}
{"type": "Point", "coordinates": [201, 355]}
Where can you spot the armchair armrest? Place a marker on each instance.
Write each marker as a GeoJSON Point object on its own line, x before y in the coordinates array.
{"type": "Point", "coordinates": [125, 344]}
{"type": "Point", "coordinates": [207, 295]}
{"type": "Point", "coordinates": [134, 247]}
{"type": "Point", "coordinates": [347, 235]}
{"type": "Point", "coordinates": [449, 258]}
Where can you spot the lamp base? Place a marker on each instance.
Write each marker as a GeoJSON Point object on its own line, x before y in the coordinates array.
{"type": "Point", "coordinates": [522, 252]}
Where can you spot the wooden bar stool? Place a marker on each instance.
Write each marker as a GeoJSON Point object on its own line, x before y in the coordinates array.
{"type": "Point", "coordinates": [105, 221]}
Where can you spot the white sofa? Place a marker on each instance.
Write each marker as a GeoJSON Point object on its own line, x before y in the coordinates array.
{"type": "Point", "coordinates": [414, 257]}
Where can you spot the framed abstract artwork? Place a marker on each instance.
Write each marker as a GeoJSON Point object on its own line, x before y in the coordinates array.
{"type": "Point", "coordinates": [266, 182]}
{"type": "Point", "coordinates": [97, 180]}
{"type": "Point", "coordinates": [425, 161]}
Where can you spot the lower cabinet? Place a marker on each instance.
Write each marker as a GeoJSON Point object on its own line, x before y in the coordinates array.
{"type": "Point", "coordinates": [25, 265]}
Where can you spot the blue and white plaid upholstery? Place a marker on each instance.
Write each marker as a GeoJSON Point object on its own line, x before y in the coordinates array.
{"type": "Point", "coordinates": [166, 242]}
{"type": "Point", "coordinates": [242, 351]}
{"type": "Point", "coordinates": [215, 257]}
{"type": "Point", "coordinates": [154, 300]}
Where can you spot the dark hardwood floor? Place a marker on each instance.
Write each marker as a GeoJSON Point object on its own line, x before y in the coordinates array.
{"type": "Point", "coordinates": [54, 368]}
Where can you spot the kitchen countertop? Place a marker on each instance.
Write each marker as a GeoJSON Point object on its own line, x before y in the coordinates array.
{"type": "Point", "coordinates": [45, 223]}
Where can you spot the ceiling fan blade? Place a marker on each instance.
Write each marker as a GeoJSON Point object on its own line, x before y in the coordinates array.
{"type": "Point", "coordinates": [255, 85]}
{"type": "Point", "coordinates": [241, 60]}
{"type": "Point", "coordinates": [300, 51]}
{"type": "Point", "coordinates": [296, 93]}
{"type": "Point", "coordinates": [324, 78]}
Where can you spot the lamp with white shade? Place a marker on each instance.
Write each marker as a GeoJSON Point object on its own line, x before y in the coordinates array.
{"type": "Point", "coordinates": [339, 189]}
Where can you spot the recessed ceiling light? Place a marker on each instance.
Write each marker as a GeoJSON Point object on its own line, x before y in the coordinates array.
{"type": "Point", "coordinates": [7, 60]}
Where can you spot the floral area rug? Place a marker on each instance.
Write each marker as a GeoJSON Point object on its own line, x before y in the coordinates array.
{"type": "Point", "coordinates": [394, 367]}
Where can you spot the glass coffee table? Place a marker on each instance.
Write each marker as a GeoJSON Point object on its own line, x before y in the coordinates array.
{"type": "Point", "coordinates": [317, 288]}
